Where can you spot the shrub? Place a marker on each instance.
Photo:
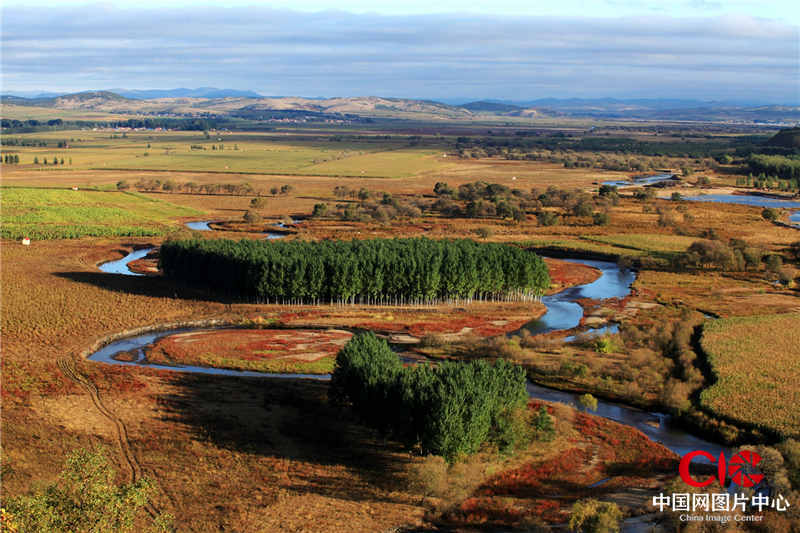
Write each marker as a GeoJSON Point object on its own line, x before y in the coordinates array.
{"type": "Point", "coordinates": [258, 203]}
{"type": "Point", "coordinates": [251, 217]}
{"type": "Point", "coordinates": [601, 219]}
{"type": "Point", "coordinates": [548, 218]}
{"type": "Point", "coordinates": [593, 516]}
{"type": "Point", "coordinates": [588, 402]}
{"type": "Point", "coordinates": [84, 499]}
{"type": "Point", "coordinates": [319, 210]}
{"type": "Point", "coordinates": [543, 425]}
{"type": "Point", "coordinates": [484, 233]}
{"type": "Point", "coordinates": [770, 214]}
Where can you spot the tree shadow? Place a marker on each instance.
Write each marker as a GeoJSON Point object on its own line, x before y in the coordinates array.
{"type": "Point", "coordinates": [289, 419]}
{"type": "Point", "coordinates": [153, 286]}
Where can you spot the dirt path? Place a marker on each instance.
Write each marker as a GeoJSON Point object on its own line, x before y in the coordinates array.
{"type": "Point", "coordinates": [123, 442]}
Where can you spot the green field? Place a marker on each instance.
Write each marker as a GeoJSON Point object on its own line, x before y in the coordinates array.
{"type": "Point", "coordinates": [646, 242]}
{"type": "Point", "coordinates": [67, 214]}
{"type": "Point", "coordinates": [225, 152]}
{"type": "Point", "coordinates": [756, 361]}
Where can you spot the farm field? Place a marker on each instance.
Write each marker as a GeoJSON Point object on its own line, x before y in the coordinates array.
{"type": "Point", "coordinates": [49, 214]}
{"type": "Point", "coordinates": [756, 362]}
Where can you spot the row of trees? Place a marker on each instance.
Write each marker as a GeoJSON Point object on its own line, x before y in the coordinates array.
{"type": "Point", "coordinates": [55, 161]}
{"type": "Point", "coordinates": [379, 271]}
{"type": "Point", "coordinates": [450, 410]}
{"type": "Point", "coordinates": [11, 159]}
{"type": "Point", "coordinates": [234, 189]}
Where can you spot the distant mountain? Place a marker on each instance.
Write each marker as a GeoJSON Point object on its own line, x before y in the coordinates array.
{"type": "Point", "coordinates": [249, 105]}
{"type": "Point", "coordinates": [491, 107]}
{"type": "Point", "coordinates": [202, 92]}
{"type": "Point", "coordinates": [83, 100]}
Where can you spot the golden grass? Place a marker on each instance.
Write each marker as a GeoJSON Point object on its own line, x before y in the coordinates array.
{"type": "Point", "coordinates": [756, 361]}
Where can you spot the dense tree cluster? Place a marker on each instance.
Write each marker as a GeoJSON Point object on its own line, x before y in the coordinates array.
{"type": "Point", "coordinates": [477, 199]}
{"type": "Point", "coordinates": [735, 255]}
{"type": "Point", "coordinates": [787, 167]}
{"type": "Point", "coordinates": [379, 271]}
{"type": "Point", "coordinates": [449, 410]}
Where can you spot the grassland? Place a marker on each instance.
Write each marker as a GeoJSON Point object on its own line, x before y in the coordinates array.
{"type": "Point", "coordinates": [67, 214]}
{"type": "Point", "coordinates": [253, 153]}
{"type": "Point", "coordinates": [249, 455]}
{"type": "Point", "coordinates": [756, 362]}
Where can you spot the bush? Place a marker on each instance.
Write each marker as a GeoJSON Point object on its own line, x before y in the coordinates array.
{"type": "Point", "coordinates": [543, 425]}
{"type": "Point", "coordinates": [601, 219]}
{"type": "Point", "coordinates": [548, 218]}
{"type": "Point", "coordinates": [319, 210]}
{"type": "Point", "coordinates": [588, 402]}
{"type": "Point", "coordinates": [251, 217]}
{"type": "Point", "coordinates": [84, 499]}
{"type": "Point", "coordinates": [258, 203]}
{"type": "Point", "coordinates": [593, 516]}
{"type": "Point", "coordinates": [770, 214]}
{"type": "Point", "coordinates": [484, 233]}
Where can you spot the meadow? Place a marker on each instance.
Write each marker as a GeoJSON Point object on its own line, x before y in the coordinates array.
{"type": "Point", "coordinates": [68, 214]}
{"type": "Point", "coordinates": [756, 363]}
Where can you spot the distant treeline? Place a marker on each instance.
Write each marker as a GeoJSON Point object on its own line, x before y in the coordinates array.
{"type": "Point", "coordinates": [378, 271]}
{"type": "Point", "coordinates": [518, 147]}
{"type": "Point", "coordinates": [450, 410]}
{"type": "Point", "coordinates": [186, 124]}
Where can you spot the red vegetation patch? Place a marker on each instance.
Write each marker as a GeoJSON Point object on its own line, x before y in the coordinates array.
{"type": "Point", "coordinates": [545, 490]}
{"type": "Point", "coordinates": [248, 345]}
{"type": "Point", "coordinates": [567, 273]}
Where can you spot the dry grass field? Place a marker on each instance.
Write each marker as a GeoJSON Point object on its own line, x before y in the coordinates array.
{"type": "Point", "coordinates": [756, 362]}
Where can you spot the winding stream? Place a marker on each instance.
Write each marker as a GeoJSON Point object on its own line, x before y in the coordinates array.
{"type": "Point", "coordinates": [120, 266]}
{"type": "Point", "coordinates": [203, 225]}
{"type": "Point", "coordinates": [562, 313]}
{"type": "Point", "coordinates": [640, 181]}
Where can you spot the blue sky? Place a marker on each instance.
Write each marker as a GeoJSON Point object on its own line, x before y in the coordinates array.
{"type": "Point", "coordinates": [701, 49]}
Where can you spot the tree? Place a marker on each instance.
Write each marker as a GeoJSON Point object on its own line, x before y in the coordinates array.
{"type": "Point", "coordinates": [85, 498]}
{"type": "Point", "coordinates": [543, 425]}
{"type": "Point", "coordinates": [274, 191]}
{"type": "Point", "coordinates": [601, 219]}
{"type": "Point", "coordinates": [676, 197]}
{"type": "Point", "coordinates": [588, 402]}
{"type": "Point", "coordinates": [36, 160]}
{"type": "Point", "coordinates": [593, 516]}
{"type": "Point", "coordinates": [258, 203]}
{"type": "Point", "coordinates": [774, 263]}
{"type": "Point", "coordinates": [319, 210]}
{"type": "Point", "coordinates": [286, 189]}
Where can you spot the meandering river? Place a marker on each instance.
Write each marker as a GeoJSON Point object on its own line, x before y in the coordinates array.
{"type": "Point", "coordinates": [562, 313]}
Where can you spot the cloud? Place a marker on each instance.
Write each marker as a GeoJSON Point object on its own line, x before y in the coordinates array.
{"type": "Point", "coordinates": [430, 56]}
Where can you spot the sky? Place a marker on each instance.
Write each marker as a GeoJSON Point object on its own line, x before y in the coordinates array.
{"type": "Point", "coordinates": [736, 50]}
